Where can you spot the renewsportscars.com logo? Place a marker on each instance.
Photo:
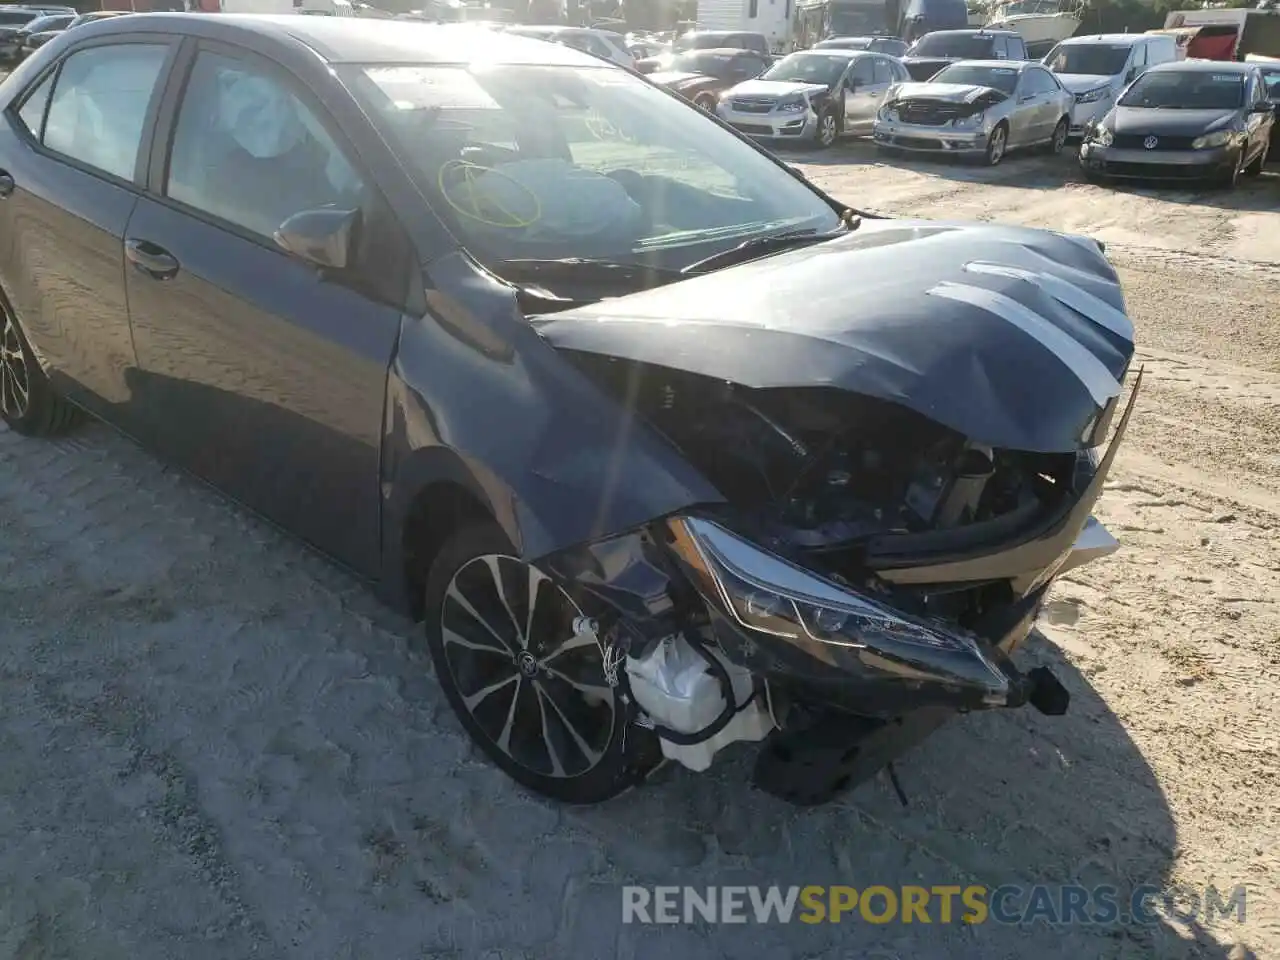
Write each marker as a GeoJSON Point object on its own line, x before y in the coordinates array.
{"type": "Point", "coordinates": [945, 903]}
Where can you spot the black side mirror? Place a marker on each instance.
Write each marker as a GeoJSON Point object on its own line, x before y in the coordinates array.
{"type": "Point", "coordinates": [324, 237]}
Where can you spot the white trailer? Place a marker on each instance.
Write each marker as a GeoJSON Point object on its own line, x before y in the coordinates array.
{"type": "Point", "coordinates": [769, 17]}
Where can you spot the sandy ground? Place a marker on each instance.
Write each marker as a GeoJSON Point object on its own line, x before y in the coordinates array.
{"type": "Point", "coordinates": [216, 745]}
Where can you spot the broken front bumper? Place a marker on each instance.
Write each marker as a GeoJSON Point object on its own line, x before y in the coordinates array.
{"type": "Point", "coordinates": [945, 138]}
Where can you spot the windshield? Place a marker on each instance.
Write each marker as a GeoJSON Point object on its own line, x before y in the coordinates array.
{"type": "Point", "coordinates": [961, 46]}
{"type": "Point", "coordinates": [710, 64]}
{"type": "Point", "coordinates": [1186, 90]}
{"type": "Point", "coordinates": [701, 41]}
{"type": "Point", "coordinates": [808, 68]}
{"type": "Point", "coordinates": [1004, 79]}
{"type": "Point", "coordinates": [13, 18]}
{"type": "Point", "coordinates": [848, 43]}
{"type": "Point", "coordinates": [1095, 59]}
{"type": "Point", "coordinates": [552, 162]}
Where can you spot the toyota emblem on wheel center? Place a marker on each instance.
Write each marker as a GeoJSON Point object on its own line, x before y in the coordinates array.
{"type": "Point", "coordinates": [1150, 143]}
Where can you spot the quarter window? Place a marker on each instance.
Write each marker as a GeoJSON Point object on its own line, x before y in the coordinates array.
{"type": "Point", "coordinates": [99, 105]}
{"type": "Point", "coordinates": [32, 112]}
{"type": "Point", "coordinates": [246, 150]}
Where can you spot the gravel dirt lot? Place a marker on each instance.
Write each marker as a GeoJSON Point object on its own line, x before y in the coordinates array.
{"type": "Point", "coordinates": [216, 745]}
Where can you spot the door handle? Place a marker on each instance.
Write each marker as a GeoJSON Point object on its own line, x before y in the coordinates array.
{"type": "Point", "coordinates": [151, 259]}
{"type": "Point", "coordinates": [7, 186]}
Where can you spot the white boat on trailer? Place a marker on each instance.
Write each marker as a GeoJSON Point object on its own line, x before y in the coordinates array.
{"type": "Point", "coordinates": [1041, 23]}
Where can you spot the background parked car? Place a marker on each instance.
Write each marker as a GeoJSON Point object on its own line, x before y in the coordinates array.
{"type": "Point", "coordinates": [935, 50]}
{"type": "Point", "coordinates": [979, 108]}
{"type": "Point", "coordinates": [702, 75]}
{"type": "Point", "coordinates": [888, 45]}
{"type": "Point", "coordinates": [36, 39]}
{"type": "Point", "coordinates": [41, 27]}
{"type": "Point", "coordinates": [598, 43]}
{"type": "Point", "coordinates": [12, 22]}
{"type": "Point", "coordinates": [1271, 77]}
{"type": "Point", "coordinates": [813, 95]}
{"type": "Point", "coordinates": [1194, 119]}
{"type": "Point", "coordinates": [706, 40]}
{"type": "Point", "coordinates": [1097, 68]}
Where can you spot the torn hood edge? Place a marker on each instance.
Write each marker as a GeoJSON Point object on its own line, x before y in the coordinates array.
{"type": "Point", "coordinates": [1011, 336]}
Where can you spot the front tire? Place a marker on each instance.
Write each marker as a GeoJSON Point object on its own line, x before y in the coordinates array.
{"type": "Point", "coordinates": [28, 403]}
{"type": "Point", "coordinates": [531, 694]}
{"type": "Point", "coordinates": [997, 145]}
{"type": "Point", "coordinates": [828, 129]}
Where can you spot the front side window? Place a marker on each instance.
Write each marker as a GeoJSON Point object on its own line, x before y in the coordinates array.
{"type": "Point", "coordinates": [533, 162]}
{"type": "Point", "coordinates": [883, 72]}
{"type": "Point", "coordinates": [248, 151]}
{"type": "Point", "coordinates": [99, 105]}
{"type": "Point", "coordinates": [1272, 81]}
{"type": "Point", "coordinates": [1186, 90]}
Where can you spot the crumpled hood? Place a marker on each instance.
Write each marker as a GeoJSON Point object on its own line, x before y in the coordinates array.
{"type": "Point", "coordinates": [1011, 336]}
{"type": "Point", "coordinates": [1180, 123]}
{"type": "Point", "coordinates": [1082, 82]}
{"type": "Point", "coordinates": [775, 88]}
{"type": "Point", "coordinates": [946, 92]}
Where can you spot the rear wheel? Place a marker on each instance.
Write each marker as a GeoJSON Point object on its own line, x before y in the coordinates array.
{"type": "Point", "coordinates": [28, 403]}
{"type": "Point", "coordinates": [531, 692]}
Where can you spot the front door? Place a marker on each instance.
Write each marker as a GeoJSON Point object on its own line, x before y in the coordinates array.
{"type": "Point", "coordinates": [263, 376]}
{"type": "Point", "coordinates": [67, 195]}
{"type": "Point", "coordinates": [859, 97]}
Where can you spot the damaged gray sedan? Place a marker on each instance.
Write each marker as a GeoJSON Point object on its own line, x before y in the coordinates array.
{"type": "Point", "coordinates": [665, 448]}
{"type": "Point", "coordinates": [977, 109]}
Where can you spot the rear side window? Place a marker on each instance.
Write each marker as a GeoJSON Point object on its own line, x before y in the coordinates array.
{"type": "Point", "coordinates": [99, 105]}
{"type": "Point", "coordinates": [883, 72]}
{"type": "Point", "coordinates": [999, 48]}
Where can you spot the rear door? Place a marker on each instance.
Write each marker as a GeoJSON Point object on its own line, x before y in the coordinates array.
{"type": "Point", "coordinates": [263, 374]}
{"type": "Point", "coordinates": [70, 165]}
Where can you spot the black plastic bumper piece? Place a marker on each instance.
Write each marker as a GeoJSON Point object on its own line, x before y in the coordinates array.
{"type": "Point", "coordinates": [813, 761]}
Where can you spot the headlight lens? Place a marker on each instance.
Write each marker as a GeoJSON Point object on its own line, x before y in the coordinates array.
{"type": "Point", "coordinates": [767, 594]}
{"type": "Point", "coordinates": [973, 120]}
{"type": "Point", "coordinates": [1102, 136]}
{"type": "Point", "coordinates": [1219, 138]}
{"type": "Point", "coordinates": [791, 106]}
{"type": "Point", "coordinates": [888, 112]}
{"type": "Point", "coordinates": [1091, 96]}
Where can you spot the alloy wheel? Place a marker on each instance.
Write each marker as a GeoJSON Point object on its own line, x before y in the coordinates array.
{"type": "Point", "coordinates": [531, 681]}
{"type": "Point", "coordinates": [996, 146]}
{"type": "Point", "coordinates": [15, 378]}
{"type": "Point", "coordinates": [827, 129]}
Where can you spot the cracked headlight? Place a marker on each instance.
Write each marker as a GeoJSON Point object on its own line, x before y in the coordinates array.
{"type": "Point", "coordinates": [1219, 138]}
{"type": "Point", "coordinates": [887, 112]}
{"type": "Point", "coordinates": [1092, 96]}
{"type": "Point", "coordinates": [768, 594]}
{"type": "Point", "coordinates": [1101, 136]}
{"type": "Point", "coordinates": [791, 106]}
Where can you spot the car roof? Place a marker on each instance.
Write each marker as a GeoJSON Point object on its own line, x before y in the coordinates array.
{"type": "Point", "coordinates": [976, 31]}
{"type": "Point", "coordinates": [1203, 66]}
{"type": "Point", "coordinates": [1018, 65]}
{"type": "Point", "coordinates": [835, 53]}
{"type": "Point", "coordinates": [356, 39]}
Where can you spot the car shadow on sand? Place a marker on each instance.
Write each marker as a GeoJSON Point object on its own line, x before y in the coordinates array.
{"type": "Point", "coordinates": [1256, 194]}
{"type": "Point", "coordinates": [1005, 798]}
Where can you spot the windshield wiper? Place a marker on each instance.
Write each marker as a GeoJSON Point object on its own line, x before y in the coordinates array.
{"type": "Point", "coordinates": [587, 269]}
{"type": "Point", "coordinates": [758, 247]}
